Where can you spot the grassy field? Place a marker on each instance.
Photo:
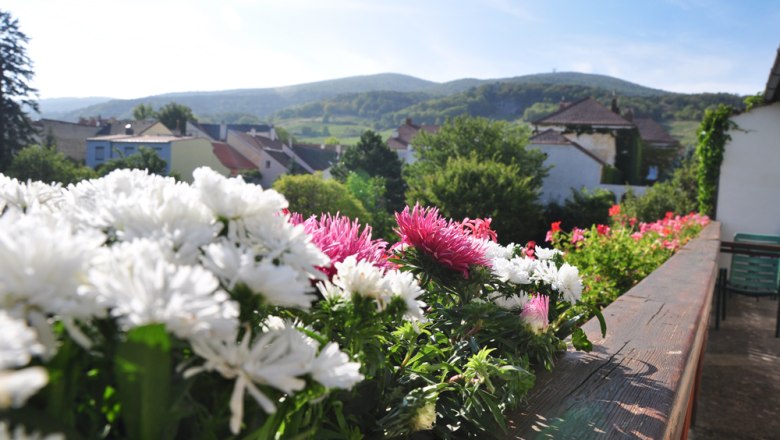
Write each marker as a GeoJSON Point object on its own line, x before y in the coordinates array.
{"type": "Point", "coordinates": [684, 131]}
{"type": "Point", "coordinates": [346, 130]}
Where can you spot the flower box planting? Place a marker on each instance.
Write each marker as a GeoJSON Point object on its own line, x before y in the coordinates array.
{"type": "Point", "coordinates": [135, 306]}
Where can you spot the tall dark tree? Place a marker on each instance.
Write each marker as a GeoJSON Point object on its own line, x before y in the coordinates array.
{"type": "Point", "coordinates": [372, 156]}
{"type": "Point", "coordinates": [16, 129]}
{"type": "Point", "coordinates": [175, 116]}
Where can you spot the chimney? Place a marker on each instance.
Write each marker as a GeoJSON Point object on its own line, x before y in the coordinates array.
{"type": "Point", "coordinates": [408, 121]}
{"type": "Point", "coordinates": [129, 129]}
{"type": "Point", "coordinates": [614, 107]}
{"type": "Point", "coordinates": [223, 131]}
{"type": "Point", "coordinates": [562, 105]}
{"type": "Point", "coordinates": [629, 115]}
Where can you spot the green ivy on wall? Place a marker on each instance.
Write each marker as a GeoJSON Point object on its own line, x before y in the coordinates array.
{"type": "Point", "coordinates": [713, 135]}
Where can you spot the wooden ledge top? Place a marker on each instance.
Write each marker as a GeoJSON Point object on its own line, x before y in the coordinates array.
{"type": "Point", "coordinates": [637, 380]}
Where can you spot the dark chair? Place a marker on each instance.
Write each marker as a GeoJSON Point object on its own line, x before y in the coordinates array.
{"type": "Point", "coordinates": [756, 276]}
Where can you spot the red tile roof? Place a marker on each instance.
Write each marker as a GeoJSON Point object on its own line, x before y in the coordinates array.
{"type": "Point", "coordinates": [231, 158]}
{"type": "Point", "coordinates": [586, 111]}
{"type": "Point", "coordinates": [406, 133]}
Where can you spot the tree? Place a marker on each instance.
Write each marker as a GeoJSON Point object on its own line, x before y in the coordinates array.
{"type": "Point", "coordinates": [175, 116]}
{"type": "Point", "coordinates": [310, 194]}
{"type": "Point", "coordinates": [370, 191]}
{"type": "Point", "coordinates": [47, 165]}
{"type": "Point", "coordinates": [144, 111]}
{"type": "Point", "coordinates": [372, 156]}
{"type": "Point", "coordinates": [477, 167]}
{"type": "Point", "coordinates": [16, 129]}
{"type": "Point", "coordinates": [474, 188]}
{"type": "Point", "coordinates": [145, 159]}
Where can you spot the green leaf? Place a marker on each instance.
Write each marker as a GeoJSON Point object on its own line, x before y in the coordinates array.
{"type": "Point", "coordinates": [580, 340]}
{"type": "Point", "coordinates": [600, 317]}
{"type": "Point", "coordinates": [143, 372]}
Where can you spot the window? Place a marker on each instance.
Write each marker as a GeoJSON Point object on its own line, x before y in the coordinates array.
{"type": "Point", "coordinates": [129, 151]}
{"type": "Point", "coordinates": [268, 164]}
{"type": "Point", "coordinates": [100, 153]}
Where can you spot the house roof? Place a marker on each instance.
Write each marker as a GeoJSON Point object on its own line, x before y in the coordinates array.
{"type": "Point", "coordinates": [139, 127]}
{"type": "Point", "coordinates": [587, 111]}
{"type": "Point", "coordinates": [406, 133]}
{"type": "Point", "coordinates": [279, 156]}
{"type": "Point", "coordinates": [772, 91]}
{"type": "Point", "coordinates": [212, 130]}
{"type": "Point", "coordinates": [317, 158]}
{"type": "Point", "coordinates": [552, 137]}
{"type": "Point", "coordinates": [231, 158]}
{"type": "Point", "coordinates": [268, 142]}
{"type": "Point", "coordinates": [127, 138]}
{"type": "Point", "coordinates": [653, 132]}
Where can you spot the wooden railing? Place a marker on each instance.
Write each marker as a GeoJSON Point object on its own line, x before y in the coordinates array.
{"type": "Point", "coordinates": [641, 380]}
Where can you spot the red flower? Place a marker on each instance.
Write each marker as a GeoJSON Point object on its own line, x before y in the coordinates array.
{"type": "Point", "coordinates": [530, 249]}
{"type": "Point", "coordinates": [339, 238]}
{"type": "Point", "coordinates": [602, 229]}
{"type": "Point", "coordinates": [614, 210]}
{"type": "Point", "coordinates": [480, 228]}
{"type": "Point", "coordinates": [445, 241]}
{"type": "Point", "coordinates": [554, 227]}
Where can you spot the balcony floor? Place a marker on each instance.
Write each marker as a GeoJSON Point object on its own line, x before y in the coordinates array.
{"type": "Point", "coordinates": [740, 385]}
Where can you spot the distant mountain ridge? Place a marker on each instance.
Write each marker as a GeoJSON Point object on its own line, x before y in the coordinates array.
{"type": "Point", "coordinates": [266, 101]}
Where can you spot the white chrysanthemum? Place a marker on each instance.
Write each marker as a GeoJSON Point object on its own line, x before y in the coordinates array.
{"type": "Point", "coordinates": [31, 196]}
{"type": "Point", "coordinates": [16, 386]}
{"type": "Point", "coordinates": [279, 285]}
{"type": "Point", "coordinates": [545, 253]}
{"type": "Point", "coordinates": [232, 198]}
{"type": "Point", "coordinates": [510, 303]}
{"type": "Point", "coordinates": [518, 270]}
{"type": "Point", "coordinates": [224, 259]}
{"type": "Point", "coordinates": [45, 263]}
{"type": "Point", "coordinates": [362, 278]}
{"type": "Point", "coordinates": [405, 286]}
{"type": "Point", "coordinates": [98, 203]}
{"type": "Point", "coordinates": [276, 238]}
{"type": "Point", "coordinates": [277, 358]}
{"type": "Point", "coordinates": [331, 291]}
{"type": "Point", "coordinates": [545, 272]}
{"type": "Point", "coordinates": [133, 205]}
{"type": "Point", "coordinates": [19, 433]}
{"type": "Point", "coordinates": [144, 289]}
{"type": "Point", "coordinates": [333, 369]}
{"type": "Point", "coordinates": [18, 343]}
{"type": "Point", "coordinates": [569, 283]}
{"type": "Point", "coordinates": [495, 250]}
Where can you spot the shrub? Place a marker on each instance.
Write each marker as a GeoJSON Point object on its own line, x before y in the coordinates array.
{"type": "Point", "coordinates": [310, 194]}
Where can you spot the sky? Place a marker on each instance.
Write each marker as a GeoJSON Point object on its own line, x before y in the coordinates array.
{"type": "Point", "coordinates": [132, 49]}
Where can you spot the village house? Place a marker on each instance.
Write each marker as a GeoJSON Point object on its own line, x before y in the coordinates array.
{"type": "Point", "coordinates": [258, 145]}
{"type": "Point", "coordinates": [402, 138]}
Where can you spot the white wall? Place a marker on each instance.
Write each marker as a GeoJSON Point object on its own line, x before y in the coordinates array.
{"type": "Point", "coordinates": [571, 168]}
{"type": "Point", "coordinates": [602, 145]}
{"type": "Point", "coordinates": [749, 189]}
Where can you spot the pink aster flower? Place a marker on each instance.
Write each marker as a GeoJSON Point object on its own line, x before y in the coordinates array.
{"type": "Point", "coordinates": [535, 313]}
{"type": "Point", "coordinates": [445, 241]}
{"type": "Point", "coordinates": [339, 237]}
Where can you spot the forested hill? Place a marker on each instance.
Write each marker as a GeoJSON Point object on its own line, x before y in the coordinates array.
{"type": "Point", "coordinates": [503, 100]}
{"type": "Point", "coordinates": [261, 103]}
